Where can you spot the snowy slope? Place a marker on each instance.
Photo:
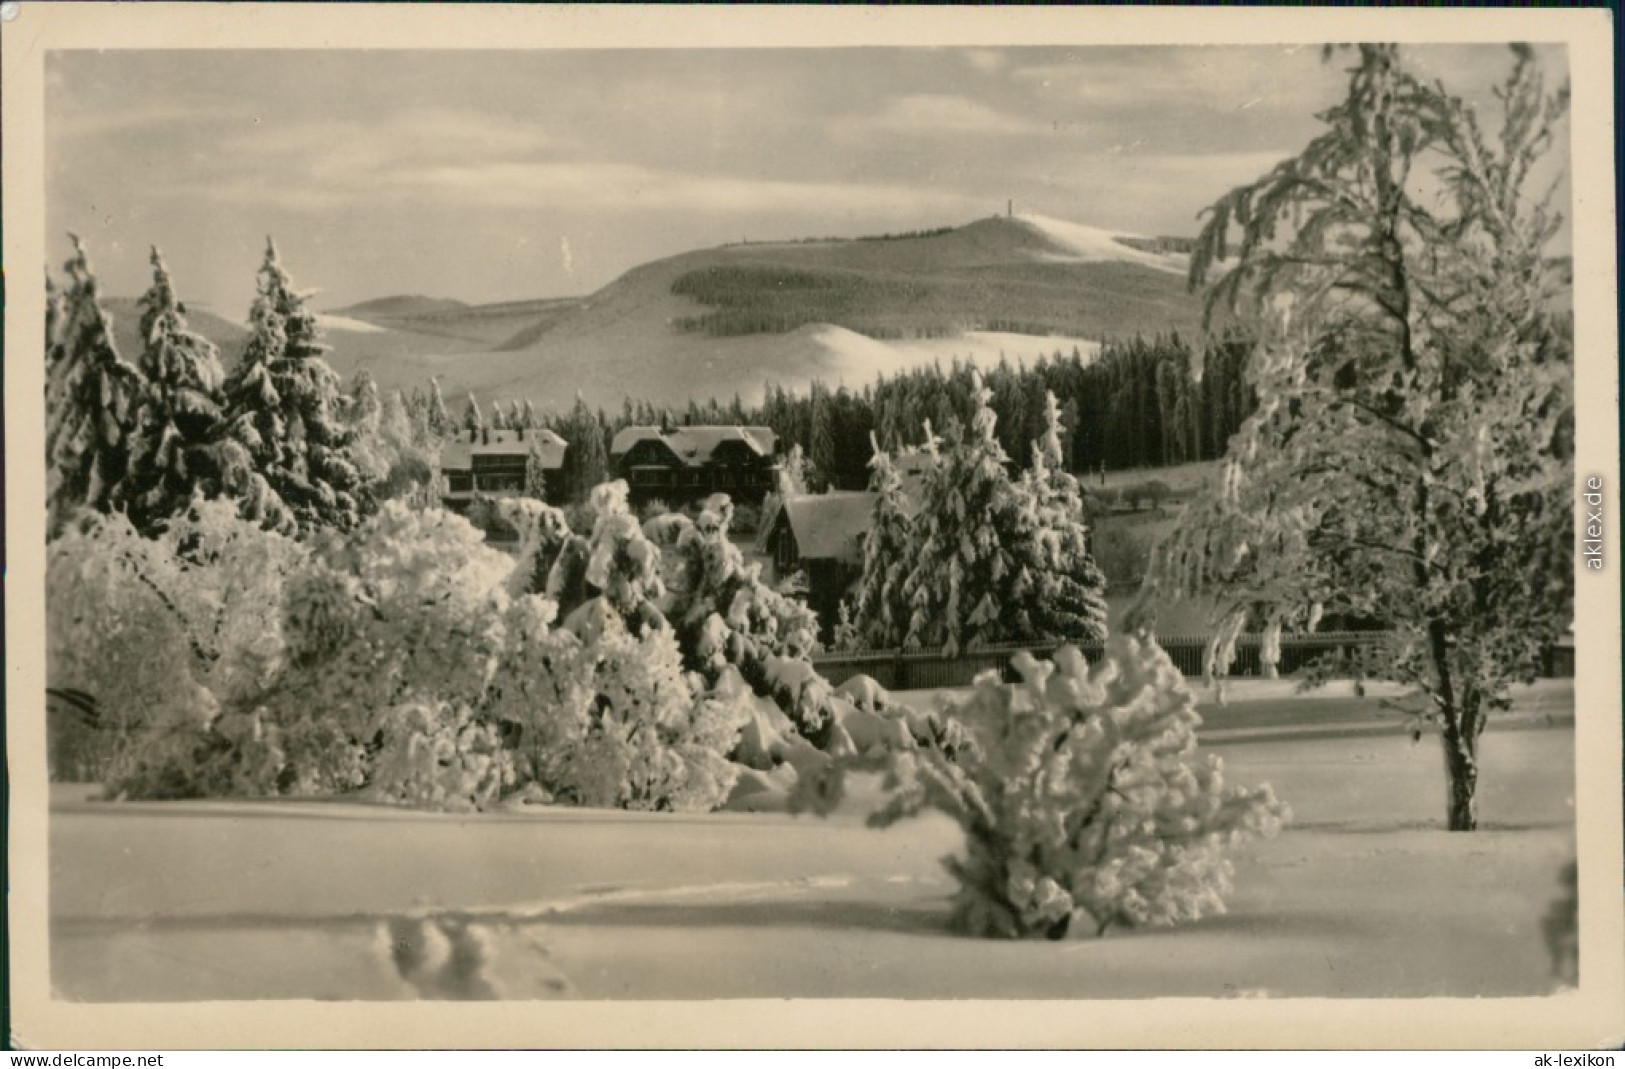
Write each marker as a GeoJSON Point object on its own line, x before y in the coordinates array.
{"type": "Point", "coordinates": [1089, 244]}
{"type": "Point", "coordinates": [328, 321]}
{"type": "Point", "coordinates": [845, 356]}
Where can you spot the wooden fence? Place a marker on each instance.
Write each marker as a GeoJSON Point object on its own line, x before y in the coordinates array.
{"type": "Point", "coordinates": [922, 670]}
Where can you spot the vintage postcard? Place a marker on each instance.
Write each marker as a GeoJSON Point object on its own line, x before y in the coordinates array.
{"type": "Point", "coordinates": [557, 526]}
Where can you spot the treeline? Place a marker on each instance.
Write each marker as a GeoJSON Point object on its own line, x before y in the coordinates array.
{"type": "Point", "coordinates": [1138, 403]}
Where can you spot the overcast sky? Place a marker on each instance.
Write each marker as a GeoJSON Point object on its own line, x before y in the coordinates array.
{"type": "Point", "coordinates": [497, 175]}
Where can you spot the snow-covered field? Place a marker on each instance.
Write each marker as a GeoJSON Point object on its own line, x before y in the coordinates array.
{"type": "Point", "coordinates": [845, 356]}
{"type": "Point", "coordinates": [328, 321]}
{"type": "Point", "coordinates": [1363, 895]}
{"type": "Point", "coordinates": [1090, 244]}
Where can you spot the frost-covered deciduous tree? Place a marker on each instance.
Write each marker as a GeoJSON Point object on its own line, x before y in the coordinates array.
{"type": "Point", "coordinates": [395, 459]}
{"type": "Point", "coordinates": [283, 407]}
{"type": "Point", "coordinates": [1410, 460]}
{"type": "Point", "coordinates": [407, 607]}
{"type": "Point", "coordinates": [1084, 802]}
{"type": "Point", "coordinates": [168, 635]}
{"type": "Point", "coordinates": [90, 397]}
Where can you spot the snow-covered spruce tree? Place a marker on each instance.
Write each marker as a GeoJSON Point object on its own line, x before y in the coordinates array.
{"type": "Point", "coordinates": [1068, 589]}
{"type": "Point", "coordinates": [499, 418]}
{"type": "Point", "coordinates": [175, 450]}
{"type": "Point", "coordinates": [170, 635]}
{"type": "Point", "coordinates": [586, 462]}
{"type": "Point", "coordinates": [282, 406]}
{"type": "Point", "coordinates": [528, 417]}
{"type": "Point", "coordinates": [876, 609]}
{"type": "Point", "coordinates": [821, 436]}
{"type": "Point", "coordinates": [473, 418]}
{"type": "Point", "coordinates": [969, 586]}
{"type": "Point", "coordinates": [439, 418]}
{"type": "Point", "coordinates": [1084, 802]}
{"type": "Point", "coordinates": [90, 397]}
{"type": "Point", "coordinates": [1411, 457]}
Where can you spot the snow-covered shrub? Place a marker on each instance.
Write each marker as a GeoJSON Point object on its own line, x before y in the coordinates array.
{"type": "Point", "coordinates": [603, 717]}
{"type": "Point", "coordinates": [164, 633]}
{"type": "Point", "coordinates": [623, 565]}
{"type": "Point", "coordinates": [724, 613]}
{"type": "Point", "coordinates": [1082, 797]}
{"type": "Point", "coordinates": [729, 620]}
{"type": "Point", "coordinates": [436, 754]}
{"type": "Point", "coordinates": [543, 532]}
{"type": "Point", "coordinates": [803, 694]}
{"type": "Point", "coordinates": [407, 608]}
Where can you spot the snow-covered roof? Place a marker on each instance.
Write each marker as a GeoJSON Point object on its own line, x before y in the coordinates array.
{"type": "Point", "coordinates": [830, 526]}
{"type": "Point", "coordinates": [696, 444]}
{"type": "Point", "coordinates": [547, 445]}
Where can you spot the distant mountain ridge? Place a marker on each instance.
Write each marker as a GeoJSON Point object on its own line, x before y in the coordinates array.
{"type": "Point", "coordinates": [732, 319]}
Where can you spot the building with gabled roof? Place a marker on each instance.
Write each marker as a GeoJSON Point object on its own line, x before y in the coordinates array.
{"type": "Point", "coordinates": [494, 463]}
{"type": "Point", "coordinates": [682, 464]}
{"type": "Point", "coordinates": [821, 536]}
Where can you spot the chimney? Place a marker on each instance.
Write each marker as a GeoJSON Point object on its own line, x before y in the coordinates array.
{"type": "Point", "coordinates": [521, 432]}
{"type": "Point", "coordinates": [485, 436]}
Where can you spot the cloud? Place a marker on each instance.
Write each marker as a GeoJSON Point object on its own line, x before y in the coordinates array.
{"type": "Point", "coordinates": [931, 114]}
{"type": "Point", "coordinates": [1195, 78]}
{"type": "Point", "coordinates": [339, 147]}
{"type": "Point", "coordinates": [137, 118]}
{"type": "Point", "coordinates": [986, 60]}
{"type": "Point", "coordinates": [581, 185]}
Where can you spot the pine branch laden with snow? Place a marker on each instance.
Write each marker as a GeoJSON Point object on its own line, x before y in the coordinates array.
{"type": "Point", "coordinates": [1410, 460]}
{"type": "Point", "coordinates": [1084, 802]}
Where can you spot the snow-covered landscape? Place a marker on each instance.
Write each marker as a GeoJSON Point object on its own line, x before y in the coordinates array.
{"type": "Point", "coordinates": [299, 900]}
{"type": "Point", "coordinates": [1019, 523]}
